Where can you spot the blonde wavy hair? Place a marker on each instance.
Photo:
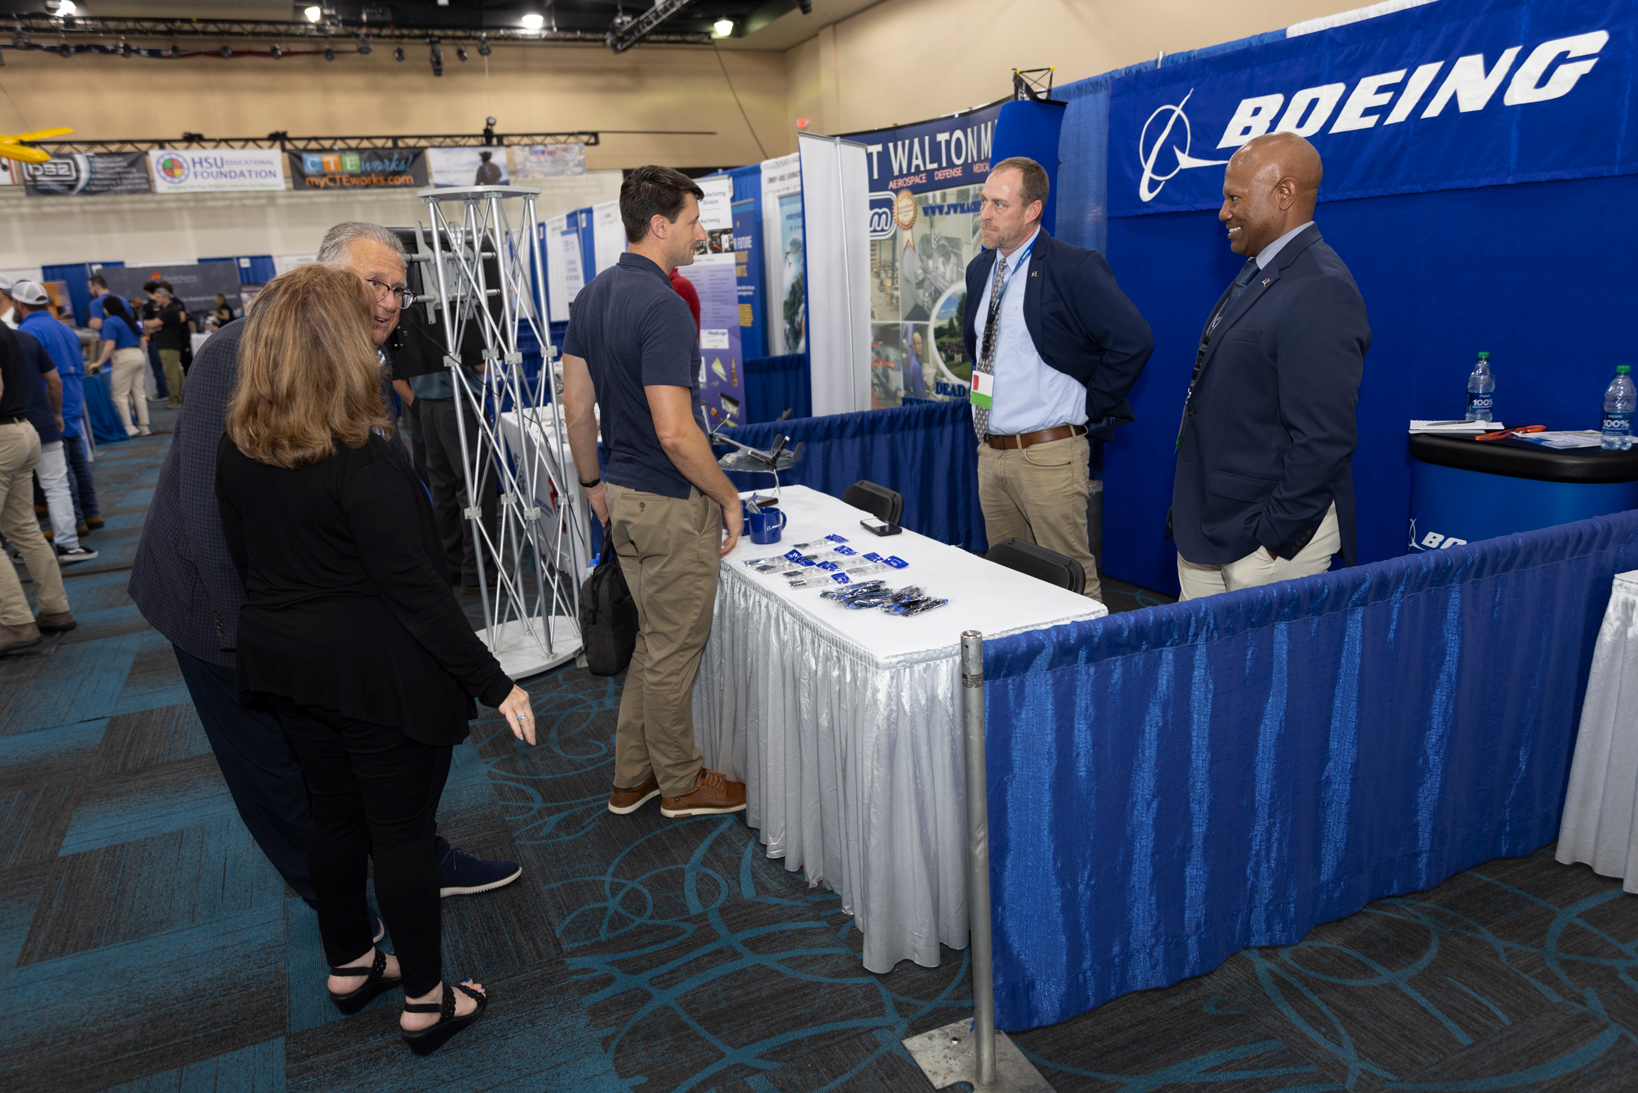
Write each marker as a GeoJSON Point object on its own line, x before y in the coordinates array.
{"type": "Point", "coordinates": [308, 370]}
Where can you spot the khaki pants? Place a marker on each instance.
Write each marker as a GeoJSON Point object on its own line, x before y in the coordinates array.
{"type": "Point", "coordinates": [127, 367]}
{"type": "Point", "coordinates": [1257, 568]}
{"type": "Point", "coordinates": [172, 360]}
{"type": "Point", "coordinates": [19, 455]}
{"type": "Point", "coordinates": [668, 550]}
{"type": "Point", "coordinates": [1038, 494]}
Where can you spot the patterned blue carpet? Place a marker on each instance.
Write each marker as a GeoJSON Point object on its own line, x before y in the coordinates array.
{"type": "Point", "coordinates": [145, 944]}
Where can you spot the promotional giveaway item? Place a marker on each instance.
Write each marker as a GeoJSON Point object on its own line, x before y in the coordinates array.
{"type": "Point", "coordinates": [765, 525]}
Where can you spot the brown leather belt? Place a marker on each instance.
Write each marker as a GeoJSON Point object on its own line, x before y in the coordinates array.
{"type": "Point", "coordinates": [1040, 436]}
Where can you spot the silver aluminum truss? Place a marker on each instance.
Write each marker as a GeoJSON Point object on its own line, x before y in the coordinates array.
{"type": "Point", "coordinates": [488, 270]}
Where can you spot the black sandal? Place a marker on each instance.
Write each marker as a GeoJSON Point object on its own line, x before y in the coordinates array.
{"type": "Point", "coordinates": [427, 1040]}
{"type": "Point", "coordinates": [375, 984]}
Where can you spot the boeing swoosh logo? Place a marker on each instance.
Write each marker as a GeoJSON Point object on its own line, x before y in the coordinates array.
{"type": "Point", "coordinates": [1150, 184]}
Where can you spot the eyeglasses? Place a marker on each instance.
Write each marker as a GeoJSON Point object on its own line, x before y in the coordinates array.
{"type": "Point", "coordinates": [405, 296]}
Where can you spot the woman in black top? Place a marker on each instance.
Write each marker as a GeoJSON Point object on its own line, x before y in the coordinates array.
{"type": "Point", "coordinates": [349, 627]}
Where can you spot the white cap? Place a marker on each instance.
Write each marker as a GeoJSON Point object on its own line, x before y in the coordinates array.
{"type": "Point", "coordinates": [30, 292]}
{"type": "Point", "coordinates": [5, 285]}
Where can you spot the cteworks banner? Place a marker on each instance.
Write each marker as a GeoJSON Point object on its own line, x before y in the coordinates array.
{"type": "Point", "coordinates": [93, 173]}
{"type": "Point", "coordinates": [925, 181]}
{"type": "Point", "coordinates": [192, 171]}
{"type": "Point", "coordinates": [1454, 95]}
{"type": "Point", "coordinates": [359, 169]}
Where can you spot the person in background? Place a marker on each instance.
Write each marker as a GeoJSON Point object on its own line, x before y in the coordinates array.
{"type": "Point", "coordinates": [1060, 345]}
{"type": "Point", "coordinates": [1264, 488]}
{"type": "Point", "coordinates": [222, 313]}
{"type": "Point", "coordinates": [19, 455]}
{"type": "Point", "coordinates": [167, 331]}
{"type": "Point", "coordinates": [632, 349]}
{"type": "Point", "coordinates": [184, 583]}
{"type": "Point", "coordinates": [63, 346]}
{"type": "Point", "coordinates": [43, 393]}
{"type": "Point", "coordinates": [123, 346]}
{"type": "Point", "coordinates": [98, 285]}
{"type": "Point", "coordinates": [147, 310]}
{"type": "Point", "coordinates": [349, 630]}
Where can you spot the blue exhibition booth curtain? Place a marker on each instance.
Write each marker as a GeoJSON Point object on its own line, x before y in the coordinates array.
{"type": "Point", "coordinates": [1169, 786]}
{"type": "Point", "coordinates": [925, 452]}
{"type": "Point", "coordinates": [76, 275]}
{"type": "Point", "coordinates": [1421, 169]}
{"type": "Point", "coordinates": [776, 384]}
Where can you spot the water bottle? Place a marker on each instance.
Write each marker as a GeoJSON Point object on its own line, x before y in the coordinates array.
{"type": "Point", "coordinates": [1481, 391]}
{"type": "Point", "coordinates": [1619, 400]}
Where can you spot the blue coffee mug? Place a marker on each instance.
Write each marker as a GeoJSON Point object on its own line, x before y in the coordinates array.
{"type": "Point", "coordinates": [766, 525]}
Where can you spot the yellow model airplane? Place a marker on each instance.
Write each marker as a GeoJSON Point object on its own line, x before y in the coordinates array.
{"type": "Point", "coordinates": [11, 147]}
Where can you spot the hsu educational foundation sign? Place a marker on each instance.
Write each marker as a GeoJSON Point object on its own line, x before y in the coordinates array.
{"type": "Point", "coordinates": [1453, 95]}
{"type": "Point", "coordinates": [196, 171]}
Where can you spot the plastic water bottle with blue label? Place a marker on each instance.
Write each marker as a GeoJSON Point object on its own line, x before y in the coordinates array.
{"type": "Point", "coordinates": [1481, 391]}
{"type": "Point", "coordinates": [1619, 401]}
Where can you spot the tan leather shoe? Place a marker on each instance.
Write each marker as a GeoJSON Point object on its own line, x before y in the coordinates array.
{"type": "Point", "coordinates": [59, 623]}
{"type": "Point", "coordinates": [625, 801]}
{"type": "Point", "coordinates": [19, 637]}
{"type": "Point", "coordinates": [712, 795]}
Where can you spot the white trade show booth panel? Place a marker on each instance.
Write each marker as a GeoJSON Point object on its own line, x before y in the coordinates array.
{"type": "Point", "coordinates": [835, 196]}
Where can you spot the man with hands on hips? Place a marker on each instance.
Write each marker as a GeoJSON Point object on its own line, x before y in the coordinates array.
{"type": "Point", "coordinates": [632, 350]}
{"type": "Point", "coordinates": [1264, 489]}
{"type": "Point", "coordinates": [1055, 345]}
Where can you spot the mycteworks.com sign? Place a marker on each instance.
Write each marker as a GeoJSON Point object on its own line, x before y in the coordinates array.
{"type": "Point", "coordinates": [1457, 94]}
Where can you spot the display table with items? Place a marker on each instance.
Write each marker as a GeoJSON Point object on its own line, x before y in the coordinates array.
{"type": "Point", "coordinates": [1600, 825]}
{"type": "Point", "coordinates": [844, 720]}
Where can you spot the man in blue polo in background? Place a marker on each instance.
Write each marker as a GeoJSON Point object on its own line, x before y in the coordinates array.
{"type": "Point", "coordinates": [63, 346]}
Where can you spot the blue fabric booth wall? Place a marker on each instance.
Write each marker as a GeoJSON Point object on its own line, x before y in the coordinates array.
{"type": "Point", "coordinates": [776, 384]}
{"type": "Point", "coordinates": [1443, 276]}
{"type": "Point", "coordinates": [925, 452]}
{"type": "Point", "coordinates": [1169, 786]}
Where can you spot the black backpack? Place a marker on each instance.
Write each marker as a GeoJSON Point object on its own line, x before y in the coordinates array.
{"type": "Point", "coordinates": [608, 617]}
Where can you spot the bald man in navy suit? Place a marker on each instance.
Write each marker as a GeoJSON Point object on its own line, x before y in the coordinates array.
{"type": "Point", "coordinates": [1264, 489]}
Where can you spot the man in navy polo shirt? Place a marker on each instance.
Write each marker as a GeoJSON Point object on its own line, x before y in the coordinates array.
{"type": "Point", "coordinates": [633, 350]}
{"type": "Point", "coordinates": [64, 349]}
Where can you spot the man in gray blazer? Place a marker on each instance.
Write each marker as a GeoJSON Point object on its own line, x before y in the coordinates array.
{"type": "Point", "coordinates": [1264, 489]}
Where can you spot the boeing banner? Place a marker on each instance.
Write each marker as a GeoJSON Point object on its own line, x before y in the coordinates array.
{"type": "Point", "coordinates": [1449, 95]}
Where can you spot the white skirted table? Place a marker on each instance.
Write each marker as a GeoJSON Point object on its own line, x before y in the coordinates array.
{"type": "Point", "coordinates": [1600, 825]}
{"type": "Point", "coordinates": [846, 725]}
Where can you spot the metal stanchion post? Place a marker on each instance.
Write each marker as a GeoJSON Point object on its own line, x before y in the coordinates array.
{"type": "Point", "coordinates": [971, 1050]}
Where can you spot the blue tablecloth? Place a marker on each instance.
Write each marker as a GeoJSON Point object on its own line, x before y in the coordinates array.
{"type": "Point", "coordinates": [106, 427]}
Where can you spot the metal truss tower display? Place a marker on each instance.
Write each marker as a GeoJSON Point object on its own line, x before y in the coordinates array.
{"type": "Point", "coordinates": [488, 270]}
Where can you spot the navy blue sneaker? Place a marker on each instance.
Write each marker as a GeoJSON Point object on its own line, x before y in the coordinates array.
{"type": "Point", "coordinates": [463, 874]}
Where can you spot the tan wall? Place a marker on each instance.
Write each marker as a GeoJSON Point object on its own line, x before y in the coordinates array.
{"type": "Point", "coordinates": [909, 60]}
{"type": "Point", "coordinates": [529, 89]}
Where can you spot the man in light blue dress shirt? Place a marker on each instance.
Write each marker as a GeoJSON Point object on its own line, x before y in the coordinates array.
{"type": "Point", "coordinates": [1067, 347]}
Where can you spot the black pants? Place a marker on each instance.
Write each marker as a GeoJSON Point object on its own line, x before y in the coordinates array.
{"type": "Point", "coordinates": [375, 794]}
{"type": "Point", "coordinates": [447, 483]}
{"type": "Point", "coordinates": [258, 765]}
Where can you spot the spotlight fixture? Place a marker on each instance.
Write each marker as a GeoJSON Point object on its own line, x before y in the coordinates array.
{"type": "Point", "coordinates": [533, 21]}
{"type": "Point", "coordinates": [227, 51]}
{"type": "Point", "coordinates": [364, 44]}
{"type": "Point", "coordinates": [722, 28]}
{"type": "Point", "coordinates": [313, 12]}
{"type": "Point", "coordinates": [329, 53]}
{"type": "Point", "coordinates": [460, 53]}
{"type": "Point", "coordinates": [398, 53]}
{"type": "Point", "coordinates": [437, 57]}
{"type": "Point", "coordinates": [484, 48]}
{"type": "Point", "coordinates": [276, 52]}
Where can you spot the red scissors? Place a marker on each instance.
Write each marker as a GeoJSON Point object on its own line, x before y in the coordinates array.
{"type": "Point", "coordinates": [1505, 433]}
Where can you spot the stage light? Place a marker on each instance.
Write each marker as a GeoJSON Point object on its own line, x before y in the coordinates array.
{"type": "Point", "coordinates": [398, 53]}
{"type": "Point", "coordinates": [460, 53]}
{"type": "Point", "coordinates": [533, 21]}
{"type": "Point", "coordinates": [364, 43]}
{"type": "Point", "coordinates": [276, 52]}
{"type": "Point", "coordinates": [329, 53]}
{"type": "Point", "coordinates": [484, 48]}
{"type": "Point", "coordinates": [313, 13]}
{"type": "Point", "coordinates": [722, 28]}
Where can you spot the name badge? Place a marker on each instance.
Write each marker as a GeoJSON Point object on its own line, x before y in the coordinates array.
{"type": "Point", "coordinates": [983, 389]}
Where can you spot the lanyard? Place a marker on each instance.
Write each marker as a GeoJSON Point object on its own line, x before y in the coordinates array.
{"type": "Point", "coordinates": [995, 297]}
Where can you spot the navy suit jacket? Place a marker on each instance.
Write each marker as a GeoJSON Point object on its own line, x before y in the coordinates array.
{"type": "Point", "coordinates": [1269, 435]}
{"type": "Point", "coordinates": [1082, 324]}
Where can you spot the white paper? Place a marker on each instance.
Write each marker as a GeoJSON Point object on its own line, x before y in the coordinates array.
{"type": "Point", "coordinates": [713, 339]}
